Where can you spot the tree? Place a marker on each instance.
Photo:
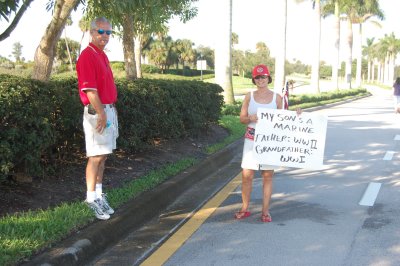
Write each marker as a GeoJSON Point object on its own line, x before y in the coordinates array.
{"type": "Point", "coordinates": [262, 55]}
{"type": "Point", "coordinates": [390, 46]}
{"type": "Point", "coordinates": [235, 39]}
{"type": "Point", "coordinates": [280, 59]}
{"type": "Point", "coordinates": [8, 7]}
{"type": "Point", "coordinates": [357, 12]}
{"type": "Point", "coordinates": [368, 9]}
{"type": "Point", "coordinates": [368, 52]}
{"type": "Point", "coordinates": [223, 53]}
{"type": "Point", "coordinates": [136, 18]}
{"type": "Point", "coordinates": [333, 7]}
{"type": "Point", "coordinates": [317, 42]}
{"type": "Point", "coordinates": [207, 54]}
{"type": "Point", "coordinates": [45, 52]}
{"type": "Point", "coordinates": [238, 62]}
{"type": "Point", "coordinates": [84, 26]}
{"type": "Point", "coordinates": [185, 52]}
{"type": "Point", "coordinates": [161, 53]}
{"type": "Point", "coordinates": [316, 59]}
{"type": "Point", "coordinates": [63, 55]}
{"type": "Point", "coordinates": [17, 51]}
{"type": "Point", "coordinates": [69, 23]}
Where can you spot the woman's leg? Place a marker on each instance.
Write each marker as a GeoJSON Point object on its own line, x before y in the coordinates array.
{"type": "Point", "coordinates": [247, 185]}
{"type": "Point", "coordinates": [267, 189]}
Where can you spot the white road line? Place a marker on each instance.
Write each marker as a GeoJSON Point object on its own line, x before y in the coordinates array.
{"type": "Point", "coordinates": [389, 155]}
{"type": "Point", "coordinates": [369, 197]}
{"type": "Point", "coordinates": [397, 137]}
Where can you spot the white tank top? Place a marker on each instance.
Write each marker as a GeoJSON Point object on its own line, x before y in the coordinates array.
{"type": "Point", "coordinates": [253, 106]}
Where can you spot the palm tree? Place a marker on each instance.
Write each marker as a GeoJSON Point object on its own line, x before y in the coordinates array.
{"type": "Point", "coordinates": [184, 49]}
{"type": "Point", "coordinates": [357, 12]}
{"type": "Point", "coordinates": [223, 54]}
{"type": "Point", "coordinates": [68, 23]}
{"type": "Point", "coordinates": [333, 7]}
{"type": "Point", "coordinates": [391, 46]}
{"type": "Point", "coordinates": [368, 9]}
{"type": "Point", "coordinates": [317, 42]}
{"type": "Point", "coordinates": [368, 51]}
{"type": "Point", "coordinates": [84, 26]}
{"type": "Point", "coordinates": [281, 56]}
{"type": "Point", "coordinates": [235, 39]}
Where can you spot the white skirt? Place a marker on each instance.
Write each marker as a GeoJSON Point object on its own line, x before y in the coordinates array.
{"type": "Point", "coordinates": [248, 160]}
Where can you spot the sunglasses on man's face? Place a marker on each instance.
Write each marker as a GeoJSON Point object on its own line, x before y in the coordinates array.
{"type": "Point", "coordinates": [260, 77]}
{"type": "Point", "coordinates": [101, 32]}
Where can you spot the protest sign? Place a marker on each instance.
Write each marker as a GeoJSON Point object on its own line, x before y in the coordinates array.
{"type": "Point", "coordinates": [284, 138]}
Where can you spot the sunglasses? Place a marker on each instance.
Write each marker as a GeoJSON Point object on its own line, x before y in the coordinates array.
{"type": "Point", "coordinates": [101, 32]}
{"type": "Point", "coordinates": [261, 77]}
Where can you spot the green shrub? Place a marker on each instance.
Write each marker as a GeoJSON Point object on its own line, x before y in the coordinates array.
{"type": "Point", "coordinates": [25, 131]}
{"type": "Point", "coordinates": [232, 109]}
{"type": "Point", "coordinates": [150, 69]}
{"type": "Point", "coordinates": [42, 122]}
{"type": "Point", "coordinates": [117, 66]}
{"type": "Point", "coordinates": [165, 109]}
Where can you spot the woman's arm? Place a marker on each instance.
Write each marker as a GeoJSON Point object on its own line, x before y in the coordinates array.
{"type": "Point", "coordinates": [278, 101]}
{"type": "Point", "coordinates": [245, 118]}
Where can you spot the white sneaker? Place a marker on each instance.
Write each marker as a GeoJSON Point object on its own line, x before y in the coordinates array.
{"type": "Point", "coordinates": [105, 206]}
{"type": "Point", "coordinates": [98, 210]}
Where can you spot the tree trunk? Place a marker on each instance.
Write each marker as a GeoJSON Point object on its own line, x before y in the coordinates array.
{"type": "Point", "coordinates": [336, 62]}
{"type": "Point", "coordinates": [281, 55]}
{"type": "Point", "coordinates": [71, 68]}
{"type": "Point", "coordinates": [369, 71]}
{"type": "Point", "coordinates": [223, 54]}
{"type": "Point", "coordinates": [359, 58]}
{"type": "Point", "coordinates": [391, 69]}
{"type": "Point", "coordinates": [129, 47]}
{"type": "Point", "coordinates": [45, 52]}
{"type": "Point", "coordinates": [138, 55]}
{"type": "Point", "coordinates": [379, 69]}
{"type": "Point", "coordinates": [387, 66]}
{"type": "Point", "coordinates": [350, 51]}
{"type": "Point", "coordinates": [316, 59]}
{"type": "Point", "coordinates": [373, 71]}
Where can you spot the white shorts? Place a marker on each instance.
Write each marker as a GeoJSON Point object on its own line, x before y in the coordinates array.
{"type": "Point", "coordinates": [96, 143]}
{"type": "Point", "coordinates": [248, 160]}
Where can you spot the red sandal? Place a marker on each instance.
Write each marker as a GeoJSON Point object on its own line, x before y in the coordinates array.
{"type": "Point", "coordinates": [242, 214]}
{"type": "Point", "coordinates": [266, 218]}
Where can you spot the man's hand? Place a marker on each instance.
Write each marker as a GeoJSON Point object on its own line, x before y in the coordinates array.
{"type": "Point", "coordinates": [101, 122]}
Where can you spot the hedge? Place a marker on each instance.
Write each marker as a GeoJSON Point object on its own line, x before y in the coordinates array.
{"type": "Point", "coordinates": [41, 123]}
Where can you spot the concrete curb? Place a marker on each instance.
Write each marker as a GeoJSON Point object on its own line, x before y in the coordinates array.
{"type": "Point", "coordinates": [316, 108]}
{"type": "Point", "coordinates": [84, 245]}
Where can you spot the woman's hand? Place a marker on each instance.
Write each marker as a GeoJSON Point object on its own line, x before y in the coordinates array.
{"type": "Point", "coordinates": [299, 111]}
{"type": "Point", "coordinates": [253, 118]}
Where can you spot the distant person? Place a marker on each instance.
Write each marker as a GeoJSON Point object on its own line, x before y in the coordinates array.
{"type": "Point", "coordinates": [263, 97]}
{"type": "Point", "coordinates": [396, 95]}
{"type": "Point", "coordinates": [98, 93]}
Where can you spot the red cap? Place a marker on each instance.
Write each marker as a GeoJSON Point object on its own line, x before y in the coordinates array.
{"type": "Point", "coordinates": [260, 70]}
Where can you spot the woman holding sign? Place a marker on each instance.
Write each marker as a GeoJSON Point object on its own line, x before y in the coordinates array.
{"type": "Point", "coordinates": [263, 97]}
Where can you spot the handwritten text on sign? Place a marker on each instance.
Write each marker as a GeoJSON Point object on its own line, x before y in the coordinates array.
{"type": "Point", "coordinates": [284, 138]}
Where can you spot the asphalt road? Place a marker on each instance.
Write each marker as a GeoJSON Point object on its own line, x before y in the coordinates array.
{"type": "Point", "coordinates": [317, 218]}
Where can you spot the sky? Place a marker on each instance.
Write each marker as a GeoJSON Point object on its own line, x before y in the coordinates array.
{"type": "Point", "coordinates": [253, 20]}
